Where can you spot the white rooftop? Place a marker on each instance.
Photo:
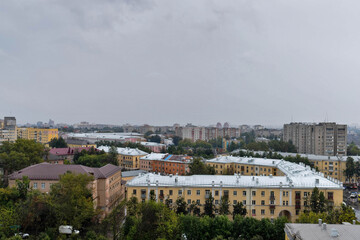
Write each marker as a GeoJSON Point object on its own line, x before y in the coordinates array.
{"type": "Point", "coordinates": [309, 156]}
{"type": "Point", "coordinates": [296, 176]}
{"type": "Point", "coordinates": [154, 156]}
{"type": "Point", "coordinates": [99, 136]}
{"type": "Point", "coordinates": [124, 151]}
{"type": "Point", "coordinates": [245, 160]}
{"type": "Point", "coordinates": [152, 144]}
{"type": "Point", "coordinates": [233, 181]}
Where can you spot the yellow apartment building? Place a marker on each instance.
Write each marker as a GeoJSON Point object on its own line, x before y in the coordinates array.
{"type": "Point", "coordinates": [76, 143]}
{"type": "Point", "coordinates": [106, 186]}
{"type": "Point", "coordinates": [245, 166]}
{"type": "Point", "coordinates": [129, 158]}
{"type": "Point", "coordinates": [264, 196]}
{"type": "Point", "coordinates": [332, 166]}
{"type": "Point", "coordinates": [41, 135]}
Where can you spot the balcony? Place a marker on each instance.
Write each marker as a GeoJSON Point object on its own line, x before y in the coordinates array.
{"type": "Point", "coordinates": [272, 198]}
{"type": "Point", "coordinates": [297, 197]}
{"type": "Point", "coordinates": [272, 206]}
{"type": "Point", "coordinates": [143, 195]}
{"type": "Point", "coordinates": [297, 207]}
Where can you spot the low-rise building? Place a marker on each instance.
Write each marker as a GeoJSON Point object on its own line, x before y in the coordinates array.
{"type": "Point", "coordinates": [106, 185]}
{"type": "Point", "coordinates": [264, 196]}
{"type": "Point", "coordinates": [321, 231]}
{"type": "Point", "coordinates": [59, 155]}
{"type": "Point", "coordinates": [41, 135]}
{"type": "Point", "coordinates": [166, 163]}
{"type": "Point", "coordinates": [245, 166]}
{"type": "Point", "coordinates": [146, 161]}
{"type": "Point", "coordinates": [332, 166]}
{"type": "Point", "coordinates": [129, 158]}
{"type": "Point", "coordinates": [76, 143]}
{"type": "Point", "coordinates": [154, 147]}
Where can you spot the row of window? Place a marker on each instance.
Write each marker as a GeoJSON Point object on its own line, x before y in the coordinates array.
{"type": "Point", "coordinates": [35, 185]}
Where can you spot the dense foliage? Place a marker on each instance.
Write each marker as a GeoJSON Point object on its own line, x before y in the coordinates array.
{"type": "Point", "coordinates": [93, 158]}
{"type": "Point", "coordinates": [69, 202]}
{"type": "Point", "coordinates": [198, 167]}
{"type": "Point", "coordinates": [151, 220]}
{"type": "Point", "coordinates": [21, 154]}
{"type": "Point", "coordinates": [58, 143]}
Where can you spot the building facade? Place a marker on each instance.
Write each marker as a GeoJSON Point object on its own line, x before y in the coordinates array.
{"type": "Point", "coordinates": [264, 196]}
{"type": "Point", "coordinates": [129, 158]}
{"type": "Point", "coordinates": [166, 163]}
{"type": "Point", "coordinates": [106, 185]}
{"type": "Point", "coordinates": [41, 135]}
{"type": "Point", "coordinates": [321, 139]}
{"type": "Point", "coordinates": [8, 129]}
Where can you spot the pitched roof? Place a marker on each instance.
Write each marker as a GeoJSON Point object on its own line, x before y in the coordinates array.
{"type": "Point", "coordinates": [67, 151]}
{"type": "Point", "coordinates": [46, 171]}
{"type": "Point", "coordinates": [125, 151]}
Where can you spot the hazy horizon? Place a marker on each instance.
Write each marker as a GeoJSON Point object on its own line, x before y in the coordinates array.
{"type": "Point", "coordinates": [161, 62]}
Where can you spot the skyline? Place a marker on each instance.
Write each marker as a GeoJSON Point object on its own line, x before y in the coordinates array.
{"type": "Point", "coordinates": [161, 62]}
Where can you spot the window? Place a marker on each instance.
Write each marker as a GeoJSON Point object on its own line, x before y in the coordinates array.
{"type": "Point", "coordinates": [170, 192]}
{"type": "Point", "coordinates": [189, 201]}
{"type": "Point", "coordinates": [262, 202]}
{"type": "Point", "coordinates": [235, 202]}
{"type": "Point", "coordinates": [244, 193]}
{"type": "Point", "coordinates": [188, 192]}
{"type": "Point", "coordinates": [226, 192]}
{"type": "Point", "coordinates": [134, 191]}
{"type": "Point", "coordinates": [253, 212]}
{"type": "Point", "coordinates": [170, 201]}
{"type": "Point", "coordinates": [330, 196]}
{"type": "Point", "coordinates": [35, 185]}
{"type": "Point", "coordinates": [253, 202]}
{"type": "Point", "coordinates": [244, 202]}
{"type": "Point", "coordinates": [42, 185]}
{"type": "Point", "coordinates": [253, 193]}
{"type": "Point", "coordinates": [216, 193]}
{"type": "Point", "coordinates": [262, 211]}
{"type": "Point", "coordinates": [272, 211]}
{"type": "Point", "coordinates": [235, 193]}
{"type": "Point", "coordinates": [197, 192]}
{"type": "Point", "coordinates": [263, 193]}
{"type": "Point", "coordinates": [216, 202]}
{"type": "Point", "coordinates": [297, 211]}
{"type": "Point", "coordinates": [198, 201]}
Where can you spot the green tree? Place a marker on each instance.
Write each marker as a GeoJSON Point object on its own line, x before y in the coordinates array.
{"type": "Point", "coordinates": [71, 200]}
{"type": "Point", "coordinates": [314, 200]}
{"type": "Point", "coordinates": [224, 205]}
{"type": "Point", "coordinates": [195, 208]}
{"type": "Point", "coordinates": [209, 207]}
{"type": "Point", "coordinates": [180, 206]}
{"type": "Point", "coordinates": [198, 167]}
{"type": "Point", "coordinates": [239, 209]}
{"type": "Point", "coordinates": [58, 143]}
{"type": "Point", "coordinates": [155, 138]}
{"type": "Point", "coordinates": [21, 154]}
{"type": "Point", "coordinates": [350, 168]}
{"type": "Point", "coordinates": [153, 221]}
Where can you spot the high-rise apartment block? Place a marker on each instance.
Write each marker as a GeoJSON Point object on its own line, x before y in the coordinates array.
{"type": "Point", "coordinates": [8, 129]}
{"type": "Point", "coordinates": [321, 139]}
{"type": "Point", "coordinates": [195, 133]}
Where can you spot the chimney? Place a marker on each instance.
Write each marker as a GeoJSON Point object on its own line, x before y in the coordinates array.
{"type": "Point", "coordinates": [320, 222]}
{"type": "Point", "coordinates": [354, 222]}
{"type": "Point", "coordinates": [324, 226]}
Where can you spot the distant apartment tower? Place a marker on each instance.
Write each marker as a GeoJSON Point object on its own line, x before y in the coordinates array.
{"type": "Point", "coordinates": [8, 129]}
{"type": "Point", "coordinates": [325, 138]}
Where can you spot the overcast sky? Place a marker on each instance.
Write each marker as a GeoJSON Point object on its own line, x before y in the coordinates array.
{"type": "Point", "coordinates": [165, 61]}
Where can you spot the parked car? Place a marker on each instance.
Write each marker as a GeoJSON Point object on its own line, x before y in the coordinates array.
{"type": "Point", "coordinates": [66, 229]}
{"type": "Point", "coordinates": [353, 195]}
{"type": "Point", "coordinates": [23, 235]}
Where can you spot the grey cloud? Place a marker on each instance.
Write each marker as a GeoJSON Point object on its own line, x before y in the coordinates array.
{"type": "Point", "coordinates": [160, 61]}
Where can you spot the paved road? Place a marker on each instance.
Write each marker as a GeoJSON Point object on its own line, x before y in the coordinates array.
{"type": "Point", "coordinates": [353, 202]}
